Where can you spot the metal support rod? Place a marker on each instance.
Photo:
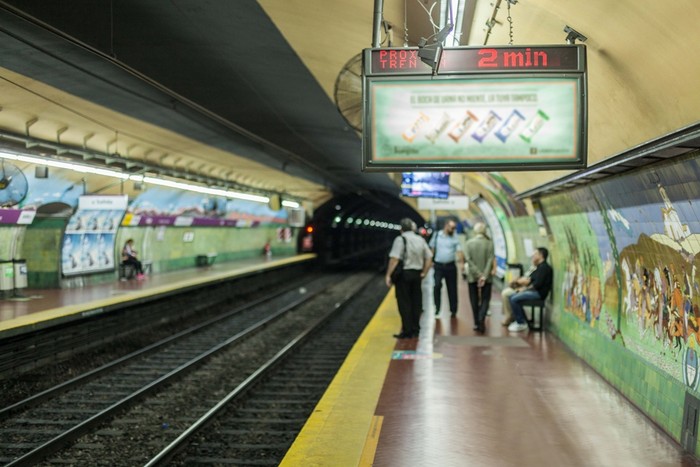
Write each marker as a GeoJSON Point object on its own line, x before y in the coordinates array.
{"type": "Point", "coordinates": [377, 30]}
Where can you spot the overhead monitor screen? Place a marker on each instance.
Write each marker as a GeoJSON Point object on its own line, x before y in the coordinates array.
{"type": "Point", "coordinates": [425, 184]}
{"type": "Point", "coordinates": [488, 112]}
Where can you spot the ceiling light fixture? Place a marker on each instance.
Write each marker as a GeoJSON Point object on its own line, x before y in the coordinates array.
{"type": "Point", "coordinates": [136, 178]}
{"type": "Point", "coordinates": [290, 204]}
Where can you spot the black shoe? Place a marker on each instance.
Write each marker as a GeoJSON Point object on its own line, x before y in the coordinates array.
{"type": "Point", "coordinates": [453, 314]}
{"type": "Point", "coordinates": [402, 335]}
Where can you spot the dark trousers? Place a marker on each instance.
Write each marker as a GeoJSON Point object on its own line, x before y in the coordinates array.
{"type": "Point", "coordinates": [135, 263]}
{"type": "Point", "coordinates": [409, 297]}
{"type": "Point", "coordinates": [447, 271]}
{"type": "Point", "coordinates": [480, 301]}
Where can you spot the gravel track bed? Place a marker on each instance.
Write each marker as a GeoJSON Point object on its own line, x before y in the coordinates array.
{"type": "Point", "coordinates": [16, 388]}
{"type": "Point", "coordinates": [137, 435]}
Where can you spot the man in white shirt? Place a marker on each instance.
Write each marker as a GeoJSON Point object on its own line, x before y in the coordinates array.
{"type": "Point", "coordinates": [447, 251]}
{"type": "Point", "coordinates": [410, 248]}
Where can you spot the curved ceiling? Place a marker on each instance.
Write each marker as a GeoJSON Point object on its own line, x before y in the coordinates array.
{"type": "Point", "coordinates": [243, 90]}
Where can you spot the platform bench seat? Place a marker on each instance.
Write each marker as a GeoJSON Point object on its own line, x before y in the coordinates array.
{"type": "Point", "coordinates": [126, 271]}
{"type": "Point", "coordinates": [536, 313]}
{"type": "Point", "coordinates": [205, 260]}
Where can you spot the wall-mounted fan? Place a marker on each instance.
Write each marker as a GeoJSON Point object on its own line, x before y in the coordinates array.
{"type": "Point", "coordinates": [348, 92]}
{"type": "Point", "coordinates": [13, 185]}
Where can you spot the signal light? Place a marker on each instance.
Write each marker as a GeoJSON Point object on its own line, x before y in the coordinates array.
{"type": "Point", "coordinates": [309, 229]}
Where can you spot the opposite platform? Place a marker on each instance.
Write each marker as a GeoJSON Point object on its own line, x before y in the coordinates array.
{"type": "Point", "coordinates": [455, 398]}
{"type": "Point", "coordinates": [48, 307]}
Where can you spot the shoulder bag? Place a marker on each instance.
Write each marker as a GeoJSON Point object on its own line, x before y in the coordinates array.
{"type": "Point", "coordinates": [398, 270]}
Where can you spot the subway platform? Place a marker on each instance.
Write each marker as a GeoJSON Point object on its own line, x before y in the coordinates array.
{"type": "Point", "coordinates": [457, 398]}
{"type": "Point", "coordinates": [41, 308]}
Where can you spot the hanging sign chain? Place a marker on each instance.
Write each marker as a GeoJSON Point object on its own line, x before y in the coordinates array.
{"type": "Point", "coordinates": [510, 25]}
{"type": "Point", "coordinates": [405, 24]}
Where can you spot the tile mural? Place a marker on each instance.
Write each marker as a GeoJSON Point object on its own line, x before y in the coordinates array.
{"type": "Point", "coordinates": [628, 254]}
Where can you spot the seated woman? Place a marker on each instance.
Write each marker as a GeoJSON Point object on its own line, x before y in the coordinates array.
{"type": "Point", "coordinates": [129, 258]}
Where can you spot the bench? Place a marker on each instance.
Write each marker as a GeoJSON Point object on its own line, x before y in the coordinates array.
{"type": "Point", "coordinates": [126, 271]}
{"type": "Point", "coordinates": [536, 318]}
{"type": "Point", "coordinates": [205, 260]}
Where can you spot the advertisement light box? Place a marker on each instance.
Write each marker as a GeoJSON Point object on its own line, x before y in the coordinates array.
{"type": "Point", "coordinates": [514, 114]}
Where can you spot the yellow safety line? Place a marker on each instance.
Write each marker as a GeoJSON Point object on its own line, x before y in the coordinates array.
{"type": "Point", "coordinates": [337, 432]}
{"type": "Point", "coordinates": [367, 458]}
{"type": "Point", "coordinates": [95, 305]}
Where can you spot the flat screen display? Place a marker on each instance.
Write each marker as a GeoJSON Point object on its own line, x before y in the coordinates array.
{"type": "Point", "coordinates": [516, 122]}
{"type": "Point", "coordinates": [425, 184]}
{"type": "Point", "coordinates": [497, 108]}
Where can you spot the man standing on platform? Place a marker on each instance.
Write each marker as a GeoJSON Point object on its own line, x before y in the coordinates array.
{"type": "Point", "coordinates": [533, 287]}
{"type": "Point", "coordinates": [411, 249]}
{"type": "Point", "coordinates": [479, 253]}
{"type": "Point", "coordinates": [446, 251]}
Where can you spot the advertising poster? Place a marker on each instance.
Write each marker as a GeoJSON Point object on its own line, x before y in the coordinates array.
{"type": "Point", "coordinates": [476, 121]}
{"type": "Point", "coordinates": [88, 242]}
{"type": "Point", "coordinates": [170, 207]}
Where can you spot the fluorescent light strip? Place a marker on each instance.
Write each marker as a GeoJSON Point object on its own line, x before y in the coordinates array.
{"type": "Point", "coordinates": [205, 190]}
{"type": "Point", "coordinates": [136, 178]}
{"type": "Point", "coordinates": [290, 204]}
{"type": "Point", "coordinates": [64, 165]}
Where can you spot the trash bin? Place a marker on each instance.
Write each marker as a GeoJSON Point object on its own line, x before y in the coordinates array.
{"type": "Point", "coordinates": [7, 277]}
{"type": "Point", "coordinates": [20, 270]}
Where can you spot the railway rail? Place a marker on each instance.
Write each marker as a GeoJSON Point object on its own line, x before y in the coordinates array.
{"type": "Point", "coordinates": [127, 412]}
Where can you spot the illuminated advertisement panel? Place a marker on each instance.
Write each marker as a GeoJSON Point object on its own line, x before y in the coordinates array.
{"type": "Point", "coordinates": [519, 122]}
{"type": "Point", "coordinates": [88, 242]}
{"type": "Point", "coordinates": [496, 109]}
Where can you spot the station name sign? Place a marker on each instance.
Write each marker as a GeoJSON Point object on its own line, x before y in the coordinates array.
{"type": "Point", "coordinates": [481, 108]}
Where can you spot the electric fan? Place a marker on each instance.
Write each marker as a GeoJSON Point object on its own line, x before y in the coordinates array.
{"type": "Point", "coordinates": [348, 92]}
{"type": "Point", "coordinates": [13, 185]}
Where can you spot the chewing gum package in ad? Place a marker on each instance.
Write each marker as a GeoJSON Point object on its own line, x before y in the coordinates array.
{"type": "Point", "coordinates": [411, 132]}
{"type": "Point", "coordinates": [534, 126]}
{"type": "Point", "coordinates": [462, 127]}
{"type": "Point", "coordinates": [435, 133]}
{"type": "Point", "coordinates": [486, 126]}
{"type": "Point", "coordinates": [509, 126]}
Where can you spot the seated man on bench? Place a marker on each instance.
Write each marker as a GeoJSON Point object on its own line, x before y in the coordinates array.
{"type": "Point", "coordinates": [535, 286]}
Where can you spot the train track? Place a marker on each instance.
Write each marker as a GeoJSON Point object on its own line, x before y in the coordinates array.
{"type": "Point", "coordinates": [127, 412]}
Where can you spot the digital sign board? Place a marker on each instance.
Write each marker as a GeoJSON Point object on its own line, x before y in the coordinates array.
{"type": "Point", "coordinates": [425, 185]}
{"type": "Point", "coordinates": [483, 108]}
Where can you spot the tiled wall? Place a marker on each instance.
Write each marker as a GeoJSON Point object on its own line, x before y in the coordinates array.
{"type": "Point", "coordinates": [169, 251]}
{"type": "Point", "coordinates": [627, 285]}
{"type": "Point", "coordinates": [167, 248]}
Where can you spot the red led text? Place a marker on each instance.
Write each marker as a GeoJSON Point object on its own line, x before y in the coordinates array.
{"type": "Point", "coordinates": [398, 59]}
{"type": "Point", "coordinates": [499, 58]}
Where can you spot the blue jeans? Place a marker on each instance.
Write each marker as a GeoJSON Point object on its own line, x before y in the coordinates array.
{"type": "Point", "coordinates": [518, 297]}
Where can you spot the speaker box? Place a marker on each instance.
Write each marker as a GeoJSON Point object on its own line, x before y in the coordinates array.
{"type": "Point", "coordinates": [297, 217]}
{"type": "Point", "coordinates": [41, 171]}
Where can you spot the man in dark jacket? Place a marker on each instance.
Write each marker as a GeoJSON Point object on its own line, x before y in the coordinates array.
{"type": "Point", "coordinates": [535, 286]}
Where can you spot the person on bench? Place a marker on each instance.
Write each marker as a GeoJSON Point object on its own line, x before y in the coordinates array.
{"type": "Point", "coordinates": [535, 286]}
{"type": "Point", "coordinates": [129, 259]}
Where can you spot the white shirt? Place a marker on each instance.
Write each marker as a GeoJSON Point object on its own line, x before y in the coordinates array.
{"type": "Point", "coordinates": [417, 251]}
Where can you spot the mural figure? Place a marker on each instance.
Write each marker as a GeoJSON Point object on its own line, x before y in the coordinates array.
{"type": "Point", "coordinates": [581, 287]}
{"type": "Point", "coordinates": [673, 227]}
